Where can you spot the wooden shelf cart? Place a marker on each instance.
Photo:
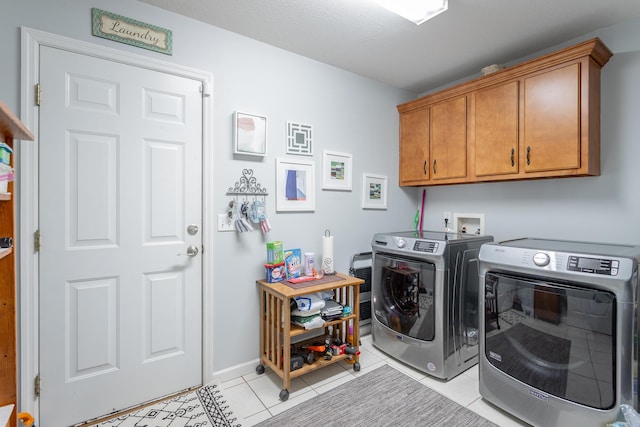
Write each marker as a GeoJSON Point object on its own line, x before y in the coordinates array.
{"type": "Point", "coordinates": [277, 331]}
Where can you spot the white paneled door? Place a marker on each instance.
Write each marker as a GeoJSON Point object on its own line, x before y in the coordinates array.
{"type": "Point", "coordinates": [120, 219]}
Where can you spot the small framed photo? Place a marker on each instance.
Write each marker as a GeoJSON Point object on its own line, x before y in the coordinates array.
{"type": "Point", "coordinates": [250, 134]}
{"type": "Point", "coordinates": [336, 171]}
{"type": "Point", "coordinates": [295, 185]}
{"type": "Point", "coordinates": [374, 191]}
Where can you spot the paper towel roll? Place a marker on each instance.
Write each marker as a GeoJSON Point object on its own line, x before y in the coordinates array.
{"type": "Point", "coordinates": [327, 253]}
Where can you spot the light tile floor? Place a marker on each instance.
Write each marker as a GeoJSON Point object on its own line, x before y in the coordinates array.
{"type": "Point", "coordinates": [254, 398]}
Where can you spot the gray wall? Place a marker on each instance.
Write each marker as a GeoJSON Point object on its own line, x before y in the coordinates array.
{"type": "Point", "coordinates": [349, 114]}
{"type": "Point", "coordinates": [605, 208]}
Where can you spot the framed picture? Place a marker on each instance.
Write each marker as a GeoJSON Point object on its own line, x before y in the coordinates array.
{"type": "Point", "coordinates": [299, 139]}
{"type": "Point", "coordinates": [374, 191]}
{"type": "Point", "coordinates": [250, 134]}
{"type": "Point", "coordinates": [336, 171]}
{"type": "Point", "coordinates": [295, 185]}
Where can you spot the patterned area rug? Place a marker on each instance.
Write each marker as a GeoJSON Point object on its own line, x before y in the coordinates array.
{"type": "Point", "coordinates": [382, 397]}
{"type": "Point", "coordinates": [204, 407]}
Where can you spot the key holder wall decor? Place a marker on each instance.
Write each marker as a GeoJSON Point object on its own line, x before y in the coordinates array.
{"type": "Point", "coordinates": [242, 214]}
{"type": "Point", "coordinates": [248, 185]}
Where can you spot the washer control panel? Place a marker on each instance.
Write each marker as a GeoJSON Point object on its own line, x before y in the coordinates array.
{"type": "Point", "coordinates": [425, 246]}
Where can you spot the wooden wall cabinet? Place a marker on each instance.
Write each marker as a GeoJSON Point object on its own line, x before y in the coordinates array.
{"type": "Point", "coordinates": [495, 111]}
{"type": "Point", "coordinates": [414, 152]}
{"type": "Point", "coordinates": [551, 126]}
{"type": "Point", "coordinates": [538, 119]}
{"type": "Point", "coordinates": [10, 129]}
{"type": "Point", "coordinates": [448, 137]}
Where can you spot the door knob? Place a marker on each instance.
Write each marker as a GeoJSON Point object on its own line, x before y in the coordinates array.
{"type": "Point", "coordinates": [192, 229]}
{"type": "Point", "coordinates": [191, 251]}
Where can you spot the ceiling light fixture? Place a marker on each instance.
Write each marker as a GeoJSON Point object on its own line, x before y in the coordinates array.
{"type": "Point", "coordinates": [417, 11]}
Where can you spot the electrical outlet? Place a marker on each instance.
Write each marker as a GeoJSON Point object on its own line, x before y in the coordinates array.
{"type": "Point", "coordinates": [225, 223]}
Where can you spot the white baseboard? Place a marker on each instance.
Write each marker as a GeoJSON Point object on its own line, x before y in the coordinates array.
{"type": "Point", "coordinates": [236, 371]}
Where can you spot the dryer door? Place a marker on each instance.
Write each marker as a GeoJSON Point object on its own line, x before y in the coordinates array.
{"type": "Point", "coordinates": [403, 295]}
{"type": "Point", "coordinates": [531, 334]}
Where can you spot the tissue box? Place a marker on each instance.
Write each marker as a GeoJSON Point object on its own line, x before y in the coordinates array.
{"type": "Point", "coordinates": [293, 262]}
{"type": "Point", "coordinates": [275, 254]}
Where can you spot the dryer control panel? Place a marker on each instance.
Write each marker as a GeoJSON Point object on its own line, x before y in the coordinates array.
{"type": "Point", "coordinates": [593, 265]}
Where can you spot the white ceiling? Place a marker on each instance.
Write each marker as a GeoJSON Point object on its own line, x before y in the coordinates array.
{"type": "Point", "coordinates": [360, 36]}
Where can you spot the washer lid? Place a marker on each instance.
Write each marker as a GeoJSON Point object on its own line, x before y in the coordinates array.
{"type": "Point", "coordinates": [431, 235]}
{"type": "Point", "coordinates": [424, 243]}
{"type": "Point", "coordinates": [606, 249]}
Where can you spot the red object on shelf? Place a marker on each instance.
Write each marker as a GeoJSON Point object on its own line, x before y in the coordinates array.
{"type": "Point", "coordinates": [301, 279]}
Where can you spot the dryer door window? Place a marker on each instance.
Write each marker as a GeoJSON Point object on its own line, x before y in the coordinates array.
{"type": "Point", "coordinates": [404, 296]}
{"type": "Point", "coordinates": [555, 337]}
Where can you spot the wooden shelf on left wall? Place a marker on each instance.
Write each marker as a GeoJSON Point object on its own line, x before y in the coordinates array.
{"type": "Point", "coordinates": [11, 129]}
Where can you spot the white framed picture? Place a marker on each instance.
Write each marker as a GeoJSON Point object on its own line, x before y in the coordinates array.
{"type": "Point", "coordinates": [250, 134]}
{"type": "Point", "coordinates": [295, 185]}
{"type": "Point", "coordinates": [374, 191]}
{"type": "Point", "coordinates": [337, 170]}
{"type": "Point", "coordinates": [299, 139]}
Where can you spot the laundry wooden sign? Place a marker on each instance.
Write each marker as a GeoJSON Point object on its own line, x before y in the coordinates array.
{"type": "Point", "coordinates": [129, 31]}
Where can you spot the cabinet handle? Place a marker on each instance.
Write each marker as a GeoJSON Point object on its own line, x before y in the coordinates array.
{"type": "Point", "coordinates": [529, 155]}
{"type": "Point", "coordinates": [434, 166]}
{"type": "Point", "coordinates": [424, 167]}
{"type": "Point", "coordinates": [513, 152]}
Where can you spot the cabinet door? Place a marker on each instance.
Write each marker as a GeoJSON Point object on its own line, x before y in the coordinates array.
{"type": "Point", "coordinates": [414, 147]}
{"type": "Point", "coordinates": [495, 111]}
{"type": "Point", "coordinates": [448, 139]}
{"type": "Point", "coordinates": [551, 134]}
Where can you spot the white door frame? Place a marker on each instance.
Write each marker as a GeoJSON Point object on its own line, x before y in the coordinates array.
{"type": "Point", "coordinates": [28, 259]}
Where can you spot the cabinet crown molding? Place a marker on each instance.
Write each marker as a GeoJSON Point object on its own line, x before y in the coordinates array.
{"type": "Point", "coordinates": [593, 48]}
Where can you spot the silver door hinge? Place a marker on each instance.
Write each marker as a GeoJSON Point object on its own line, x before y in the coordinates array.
{"type": "Point", "coordinates": [36, 241]}
{"type": "Point", "coordinates": [38, 94]}
{"type": "Point", "coordinates": [36, 385]}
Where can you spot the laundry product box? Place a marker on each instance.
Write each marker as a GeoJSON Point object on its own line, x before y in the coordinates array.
{"type": "Point", "coordinates": [275, 272]}
{"type": "Point", "coordinates": [5, 153]}
{"type": "Point", "coordinates": [293, 262]}
{"type": "Point", "coordinates": [275, 252]}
